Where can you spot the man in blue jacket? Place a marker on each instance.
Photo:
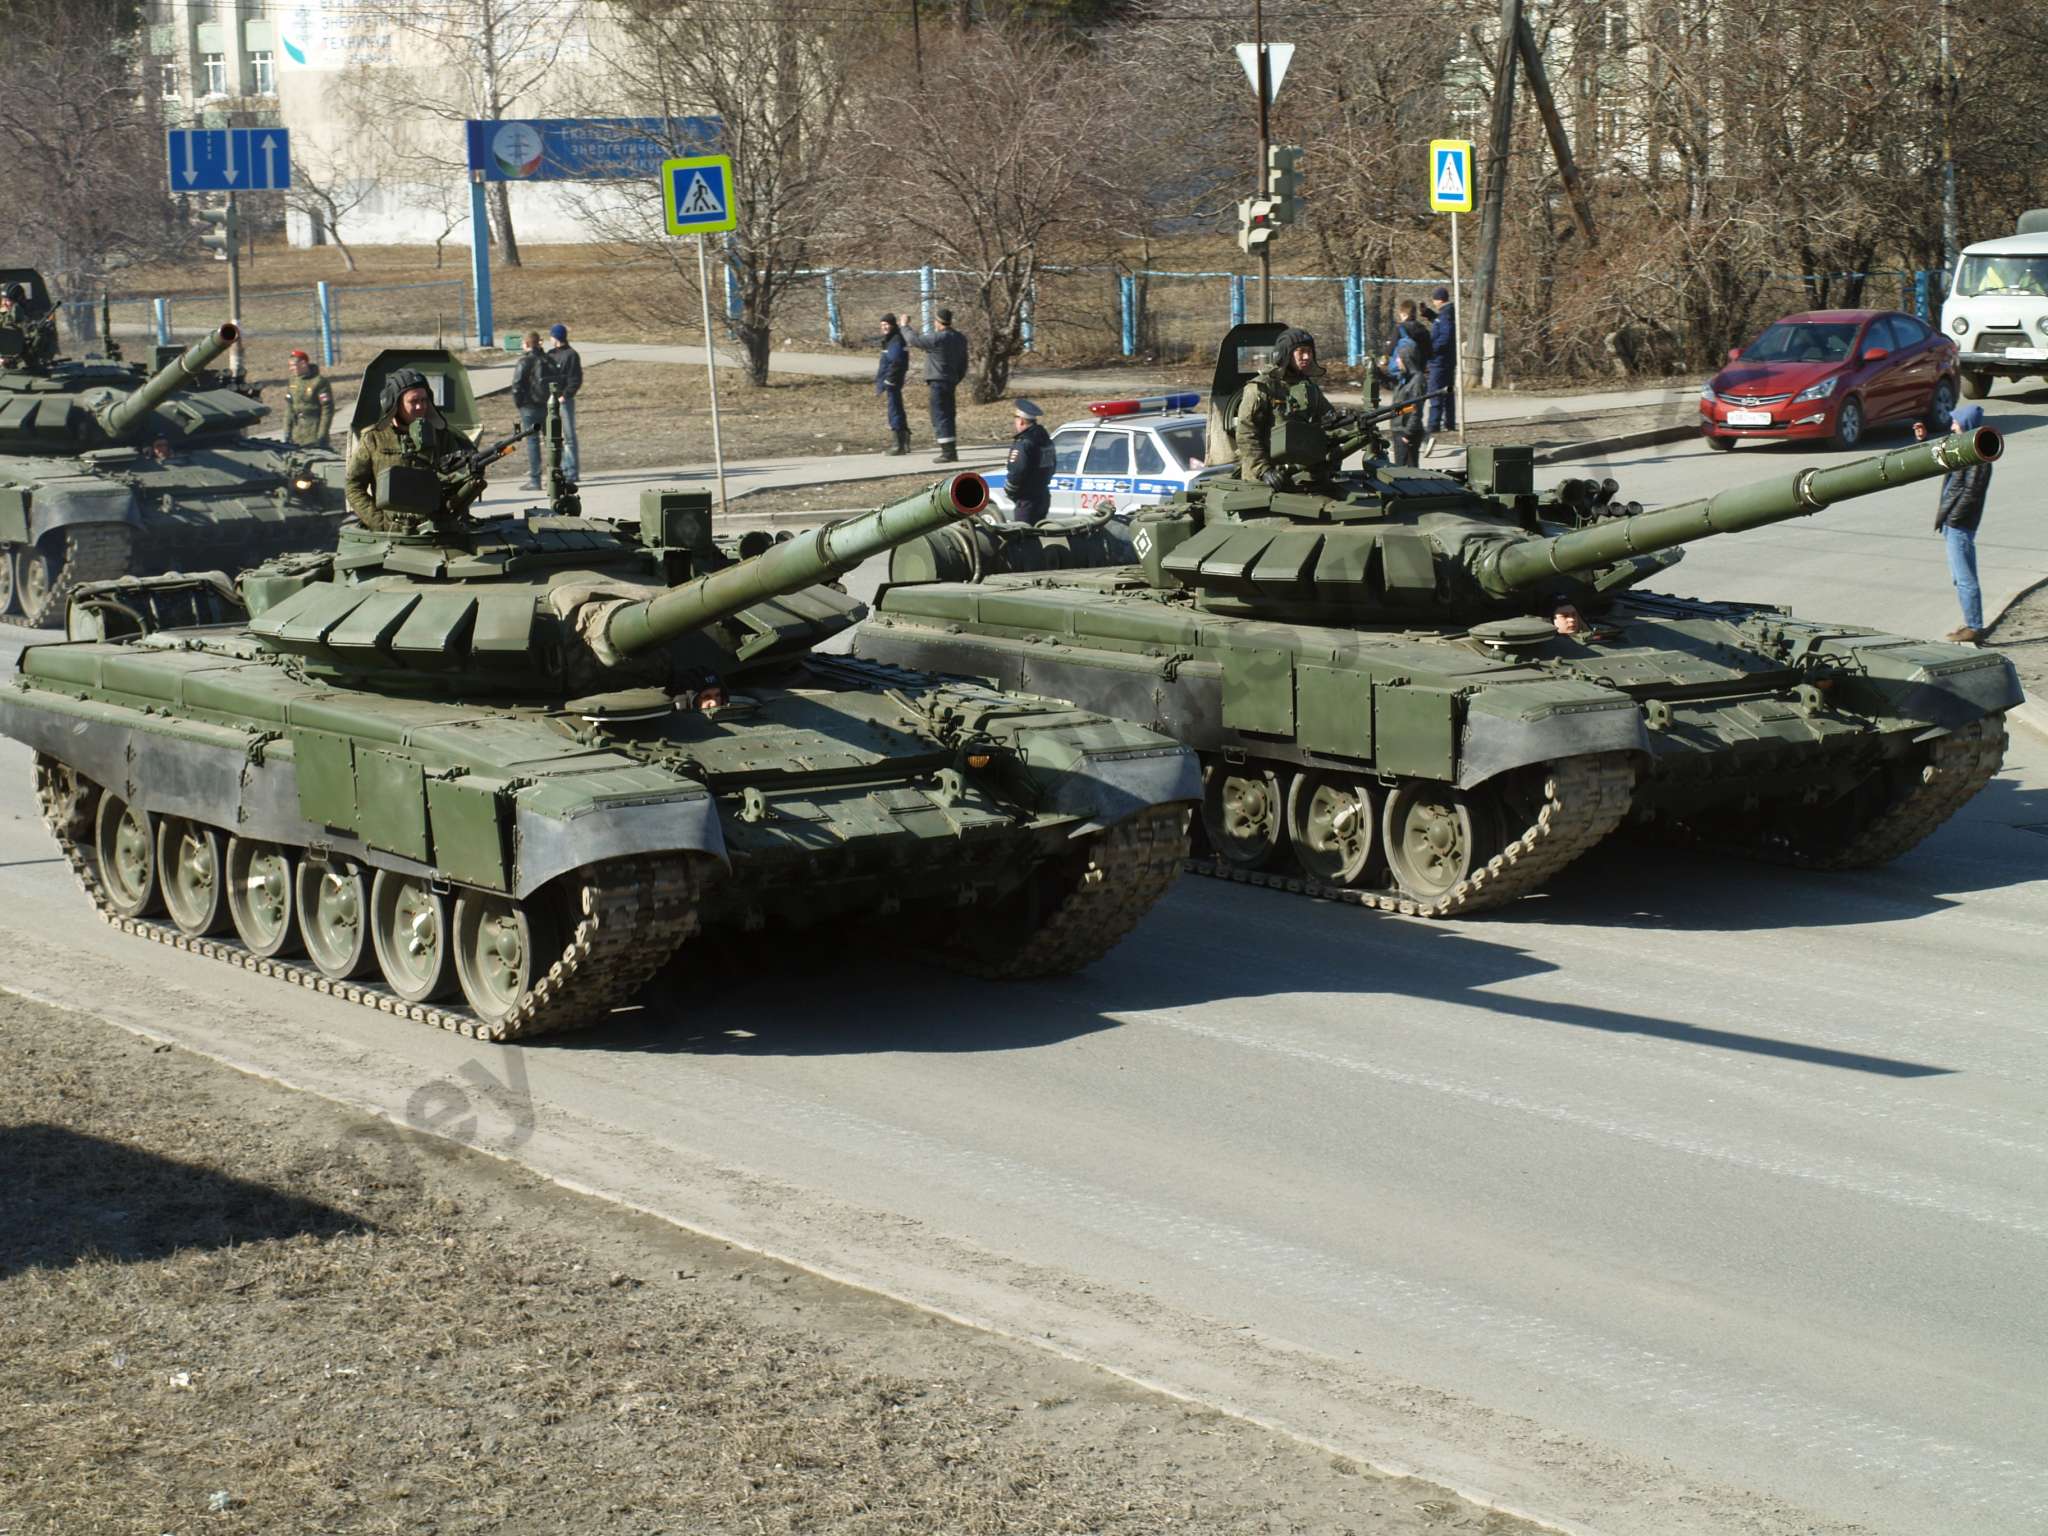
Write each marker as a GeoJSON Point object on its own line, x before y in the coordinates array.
{"type": "Point", "coordinates": [1443, 364]}
{"type": "Point", "coordinates": [945, 365]}
{"type": "Point", "coordinates": [889, 371]}
{"type": "Point", "coordinates": [1956, 517]}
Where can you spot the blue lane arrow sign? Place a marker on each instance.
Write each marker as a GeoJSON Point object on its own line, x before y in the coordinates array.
{"type": "Point", "coordinates": [229, 159]}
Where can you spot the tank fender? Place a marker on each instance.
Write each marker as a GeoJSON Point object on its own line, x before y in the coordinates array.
{"type": "Point", "coordinates": [1101, 770]}
{"type": "Point", "coordinates": [194, 769]}
{"type": "Point", "coordinates": [1512, 727]}
{"type": "Point", "coordinates": [1948, 686]}
{"type": "Point", "coordinates": [60, 503]}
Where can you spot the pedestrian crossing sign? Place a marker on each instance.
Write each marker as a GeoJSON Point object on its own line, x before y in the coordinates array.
{"type": "Point", "coordinates": [1450, 175]}
{"type": "Point", "coordinates": [696, 195]}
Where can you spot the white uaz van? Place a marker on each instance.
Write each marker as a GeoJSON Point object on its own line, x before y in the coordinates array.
{"type": "Point", "coordinates": [1997, 307]}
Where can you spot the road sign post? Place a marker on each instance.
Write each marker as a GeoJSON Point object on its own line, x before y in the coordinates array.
{"type": "Point", "coordinates": [229, 160]}
{"type": "Point", "coordinates": [1450, 191]}
{"type": "Point", "coordinates": [1265, 65]}
{"type": "Point", "coordinates": [697, 199]}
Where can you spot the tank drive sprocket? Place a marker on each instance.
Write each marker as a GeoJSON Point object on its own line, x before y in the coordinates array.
{"type": "Point", "coordinates": [89, 554]}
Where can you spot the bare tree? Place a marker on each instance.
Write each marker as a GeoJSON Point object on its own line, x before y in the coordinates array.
{"type": "Point", "coordinates": [1003, 171]}
{"type": "Point", "coordinates": [83, 141]}
{"type": "Point", "coordinates": [463, 59]}
{"type": "Point", "coordinates": [778, 76]}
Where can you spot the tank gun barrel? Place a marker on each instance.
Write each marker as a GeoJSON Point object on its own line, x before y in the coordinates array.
{"type": "Point", "coordinates": [125, 414]}
{"type": "Point", "coordinates": [824, 555]}
{"type": "Point", "coordinates": [1532, 562]}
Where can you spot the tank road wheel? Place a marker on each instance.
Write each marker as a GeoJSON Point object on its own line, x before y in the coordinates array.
{"type": "Point", "coordinates": [409, 925]}
{"type": "Point", "coordinates": [35, 578]}
{"type": "Point", "coordinates": [1436, 836]}
{"type": "Point", "coordinates": [502, 947]}
{"type": "Point", "coordinates": [124, 840]}
{"type": "Point", "coordinates": [6, 579]}
{"type": "Point", "coordinates": [334, 917]}
{"type": "Point", "coordinates": [70, 801]}
{"type": "Point", "coordinates": [189, 861]}
{"type": "Point", "coordinates": [1243, 814]}
{"type": "Point", "coordinates": [260, 897]}
{"type": "Point", "coordinates": [1330, 825]}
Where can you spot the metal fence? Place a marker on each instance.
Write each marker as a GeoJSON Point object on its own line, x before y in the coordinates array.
{"type": "Point", "coordinates": [318, 318]}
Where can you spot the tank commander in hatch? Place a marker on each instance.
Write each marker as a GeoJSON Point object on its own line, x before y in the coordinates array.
{"type": "Point", "coordinates": [412, 433]}
{"type": "Point", "coordinates": [1285, 388]}
{"type": "Point", "coordinates": [38, 344]}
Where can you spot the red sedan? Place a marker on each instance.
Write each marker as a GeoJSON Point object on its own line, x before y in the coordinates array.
{"type": "Point", "coordinates": [1834, 374]}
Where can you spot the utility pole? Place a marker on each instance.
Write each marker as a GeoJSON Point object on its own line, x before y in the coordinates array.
{"type": "Point", "coordinates": [1560, 145]}
{"type": "Point", "coordinates": [1496, 181]}
{"type": "Point", "coordinates": [1263, 86]}
{"type": "Point", "coordinates": [1950, 244]}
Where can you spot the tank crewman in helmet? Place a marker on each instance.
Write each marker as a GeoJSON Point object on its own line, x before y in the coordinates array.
{"type": "Point", "coordinates": [414, 434]}
{"type": "Point", "coordinates": [1029, 479]}
{"type": "Point", "coordinates": [309, 404]}
{"type": "Point", "coordinates": [1286, 387]}
{"type": "Point", "coordinates": [38, 343]}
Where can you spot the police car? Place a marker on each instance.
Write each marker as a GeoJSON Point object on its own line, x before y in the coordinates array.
{"type": "Point", "coordinates": [1128, 453]}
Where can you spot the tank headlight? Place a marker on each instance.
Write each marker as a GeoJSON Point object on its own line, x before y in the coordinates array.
{"type": "Point", "coordinates": [303, 483]}
{"type": "Point", "coordinates": [1818, 391]}
{"type": "Point", "coordinates": [1960, 324]}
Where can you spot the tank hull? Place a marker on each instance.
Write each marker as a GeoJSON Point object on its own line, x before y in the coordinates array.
{"type": "Point", "coordinates": [1448, 772]}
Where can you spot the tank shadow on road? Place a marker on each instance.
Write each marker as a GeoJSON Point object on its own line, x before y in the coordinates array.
{"type": "Point", "coordinates": [1206, 942]}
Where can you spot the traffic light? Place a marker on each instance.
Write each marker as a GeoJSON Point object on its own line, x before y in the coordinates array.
{"type": "Point", "coordinates": [220, 237]}
{"type": "Point", "coordinates": [1254, 222]}
{"type": "Point", "coordinates": [1283, 182]}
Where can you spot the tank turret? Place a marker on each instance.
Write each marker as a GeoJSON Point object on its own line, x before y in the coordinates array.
{"type": "Point", "coordinates": [124, 413]}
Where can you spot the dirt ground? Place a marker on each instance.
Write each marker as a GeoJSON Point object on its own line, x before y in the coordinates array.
{"type": "Point", "coordinates": [233, 1307]}
{"type": "Point", "coordinates": [2022, 633]}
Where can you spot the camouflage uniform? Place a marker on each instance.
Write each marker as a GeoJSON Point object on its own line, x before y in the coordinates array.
{"type": "Point", "coordinates": [309, 409]}
{"type": "Point", "coordinates": [1277, 390]}
{"type": "Point", "coordinates": [418, 445]}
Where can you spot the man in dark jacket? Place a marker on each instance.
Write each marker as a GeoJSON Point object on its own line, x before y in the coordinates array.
{"type": "Point", "coordinates": [1029, 480]}
{"type": "Point", "coordinates": [893, 364]}
{"type": "Point", "coordinates": [1443, 360]}
{"type": "Point", "coordinates": [945, 365]}
{"type": "Point", "coordinates": [530, 398]}
{"type": "Point", "coordinates": [565, 378]}
{"type": "Point", "coordinates": [1956, 517]}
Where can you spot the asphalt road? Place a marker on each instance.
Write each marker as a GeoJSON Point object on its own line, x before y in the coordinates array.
{"type": "Point", "coordinates": [1691, 1197]}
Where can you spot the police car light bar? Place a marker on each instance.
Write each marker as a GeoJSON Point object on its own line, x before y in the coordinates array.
{"type": "Point", "coordinates": [1184, 402]}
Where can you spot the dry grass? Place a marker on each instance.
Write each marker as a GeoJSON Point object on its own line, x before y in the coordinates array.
{"type": "Point", "coordinates": [214, 1286]}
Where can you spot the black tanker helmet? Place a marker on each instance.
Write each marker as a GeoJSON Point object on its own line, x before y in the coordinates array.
{"type": "Point", "coordinates": [395, 386]}
{"type": "Point", "coordinates": [1285, 343]}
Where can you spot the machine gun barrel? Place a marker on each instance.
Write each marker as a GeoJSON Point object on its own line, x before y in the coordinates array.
{"type": "Point", "coordinates": [825, 555]}
{"type": "Point", "coordinates": [1359, 433]}
{"type": "Point", "coordinates": [125, 414]}
{"type": "Point", "coordinates": [1531, 563]}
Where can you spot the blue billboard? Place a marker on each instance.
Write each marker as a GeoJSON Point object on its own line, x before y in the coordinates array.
{"type": "Point", "coordinates": [585, 148]}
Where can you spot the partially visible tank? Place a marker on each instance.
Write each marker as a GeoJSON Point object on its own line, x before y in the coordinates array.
{"type": "Point", "coordinates": [85, 496]}
{"type": "Point", "coordinates": [510, 766]}
{"type": "Point", "coordinates": [1430, 691]}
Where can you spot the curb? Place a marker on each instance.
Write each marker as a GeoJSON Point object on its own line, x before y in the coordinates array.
{"type": "Point", "coordinates": [2032, 715]}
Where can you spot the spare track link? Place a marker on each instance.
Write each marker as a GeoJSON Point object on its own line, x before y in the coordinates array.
{"type": "Point", "coordinates": [1585, 799]}
{"type": "Point", "coordinates": [1963, 763]}
{"type": "Point", "coordinates": [632, 915]}
{"type": "Point", "coordinates": [1130, 866]}
{"type": "Point", "coordinates": [91, 553]}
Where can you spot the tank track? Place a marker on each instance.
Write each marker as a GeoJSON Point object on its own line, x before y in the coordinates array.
{"type": "Point", "coordinates": [1584, 800]}
{"type": "Point", "coordinates": [632, 914]}
{"type": "Point", "coordinates": [90, 554]}
{"type": "Point", "coordinates": [1130, 866]}
{"type": "Point", "coordinates": [1962, 763]}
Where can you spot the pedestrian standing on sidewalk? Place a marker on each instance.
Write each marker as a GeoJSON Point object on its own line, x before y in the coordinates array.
{"type": "Point", "coordinates": [1956, 517]}
{"type": "Point", "coordinates": [565, 378]}
{"type": "Point", "coordinates": [890, 368]}
{"type": "Point", "coordinates": [530, 398]}
{"type": "Point", "coordinates": [1028, 480]}
{"type": "Point", "coordinates": [308, 404]}
{"type": "Point", "coordinates": [1405, 366]}
{"type": "Point", "coordinates": [945, 365]}
{"type": "Point", "coordinates": [1443, 362]}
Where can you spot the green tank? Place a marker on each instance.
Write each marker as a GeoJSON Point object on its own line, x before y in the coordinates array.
{"type": "Point", "coordinates": [83, 496]}
{"type": "Point", "coordinates": [1375, 670]}
{"type": "Point", "coordinates": [493, 777]}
